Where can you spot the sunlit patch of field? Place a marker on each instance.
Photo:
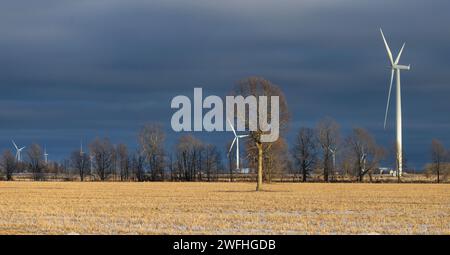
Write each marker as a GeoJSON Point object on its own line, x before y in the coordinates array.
{"type": "Point", "coordinates": [223, 208]}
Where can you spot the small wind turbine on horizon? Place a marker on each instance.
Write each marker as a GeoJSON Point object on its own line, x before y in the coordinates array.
{"type": "Point", "coordinates": [395, 68]}
{"type": "Point", "coordinates": [45, 155]}
{"type": "Point", "coordinates": [333, 153]}
{"type": "Point", "coordinates": [91, 162]}
{"type": "Point", "coordinates": [81, 148]}
{"type": "Point", "coordinates": [18, 151]}
{"type": "Point", "coordinates": [236, 139]}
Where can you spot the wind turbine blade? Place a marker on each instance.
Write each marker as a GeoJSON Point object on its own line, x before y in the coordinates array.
{"type": "Point", "coordinates": [232, 128]}
{"type": "Point", "coordinates": [15, 145]}
{"type": "Point", "coordinates": [22, 148]}
{"type": "Point", "coordinates": [399, 54]}
{"type": "Point", "coordinates": [387, 48]}
{"type": "Point", "coordinates": [231, 147]}
{"type": "Point", "coordinates": [389, 98]}
{"type": "Point", "coordinates": [242, 136]}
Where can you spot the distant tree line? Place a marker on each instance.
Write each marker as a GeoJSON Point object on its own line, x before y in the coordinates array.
{"type": "Point", "coordinates": [322, 150]}
{"type": "Point", "coordinates": [192, 160]}
{"type": "Point", "coordinates": [319, 153]}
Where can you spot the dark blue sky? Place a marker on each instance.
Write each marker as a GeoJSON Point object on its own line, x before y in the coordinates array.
{"type": "Point", "coordinates": [72, 70]}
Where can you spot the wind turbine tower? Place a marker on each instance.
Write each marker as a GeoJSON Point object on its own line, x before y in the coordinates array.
{"type": "Point", "coordinates": [395, 68]}
{"type": "Point", "coordinates": [45, 155]}
{"type": "Point", "coordinates": [236, 139]}
{"type": "Point", "coordinates": [81, 148]}
{"type": "Point", "coordinates": [333, 153]}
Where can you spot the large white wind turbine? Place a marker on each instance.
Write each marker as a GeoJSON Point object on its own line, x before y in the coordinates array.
{"type": "Point", "coordinates": [395, 68]}
{"type": "Point", "coordinates": [236, 139]}
{"type": "Point", "coordinates": [18, 151]}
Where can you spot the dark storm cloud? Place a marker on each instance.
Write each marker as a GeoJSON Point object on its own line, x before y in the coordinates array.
{"type": "Point", "coordinates": [77, 69]}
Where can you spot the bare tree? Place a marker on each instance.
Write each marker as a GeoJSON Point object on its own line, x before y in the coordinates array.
{"type": "Point", "coordinates": [305, 151]}
{"type": "Point", "coordinates": [171, 166]}
{"type": "Point", "coordinates": [123, 161]}
{"type": "Point", "coordinates": [8, 163]}
{"type": "Point", "coordinates": [103, 153]}
{"type": "Point", "coordinates": [257, 86]}
{"type": "Point", "coordinates": [36, 161]}
{"type": "Point", "coordinates": [231, 156]}
{"type": "Point", "coordinates": [364, 151]}
{"type": "Point", "coordinates": [188, 151]}
{"type": "Point", "coordinates": [64, 168]}
{"type": "Point", "coordinates": [80, 161]}
{"type": "Point", "coordinates": [211, 161]}
{"type": "Point", "coordinates": [151, 139]}
{"type": "Point", "coordinates": [328, 135]}
{"type": "Point", "coordinates": [55, 169]}
{"type": "Point", "coordinates": [347, 163]}
{"type": "Point", "coordinates": [438, 157]}
{"type": "Point", "coordinates": [276, 160]}
{"type": "Point", "coordinates": [114, 164]}
{"type": "Point", "coordinates": [137, 165]}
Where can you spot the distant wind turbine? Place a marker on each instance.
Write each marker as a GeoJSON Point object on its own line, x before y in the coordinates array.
{"type": "Point", "coordinates": [236, 139]}
{"type": "Point", "coordinates": [395, 68]}
{"type": "Point", "coordinates": [18, 151]}
{"type": "Point", "coordinates": [81, 148]}
{"type": "Point", "coordinates": [45, 155]}
{"type": "Point", "coordinates": [91, 161]}
{"type": "Point", "coordinates": [333, 153]}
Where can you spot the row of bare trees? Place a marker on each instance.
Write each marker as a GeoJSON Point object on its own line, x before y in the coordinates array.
{"type": "Point", "coordinates": [34, 164]}
{"type": "Point", "coordinates": [317, 149]}
{"type": "Point", "coordinates": [193, 160]}
{"type": "Point", "coordinates": [321, 150]}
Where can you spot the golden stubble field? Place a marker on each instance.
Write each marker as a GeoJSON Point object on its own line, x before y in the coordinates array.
{"type": "Point", "coordinates": [223, 208]}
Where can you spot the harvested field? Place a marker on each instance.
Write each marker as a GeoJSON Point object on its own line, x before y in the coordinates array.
{"type": "Point", "coordinates": [223, 208]}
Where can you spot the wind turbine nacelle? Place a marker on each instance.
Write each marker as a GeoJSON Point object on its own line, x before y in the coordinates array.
{"type": "Point", "coordinates": [402, 67]}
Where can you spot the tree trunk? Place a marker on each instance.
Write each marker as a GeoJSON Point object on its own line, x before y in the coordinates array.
{"type": "Point", "coordinates": [304, 171]}
{"type": "Point", "coordinates": [325, 174]}
{"type": "Point", "coordinates": [260, 166]}
{"type": "Point", "coordinates": [230, 166]}
{"type": "Point", "coordinates": [325, 167]}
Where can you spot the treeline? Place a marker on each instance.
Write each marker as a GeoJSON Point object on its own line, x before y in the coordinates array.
{"type": "Point", "coordinates": [317, 154]}
{"type": "Point", "coordinates": [323, 150]}
{"type": "Point", "coordinates": [192, 160]}
{"type": "Point", "coordinates": [356, 156]}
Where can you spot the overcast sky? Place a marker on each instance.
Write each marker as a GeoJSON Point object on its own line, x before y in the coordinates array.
{"type": "Point", "coordinates": [72, 70]}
